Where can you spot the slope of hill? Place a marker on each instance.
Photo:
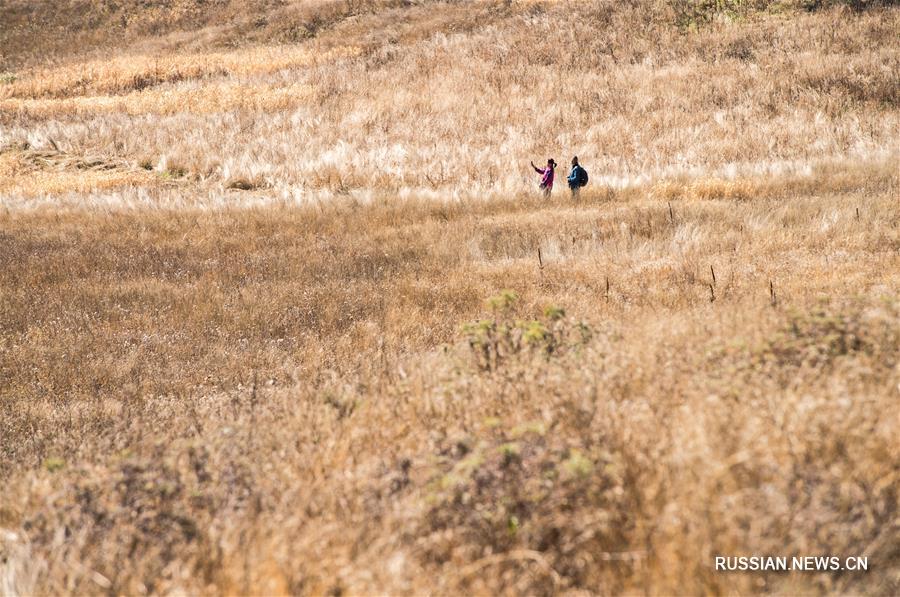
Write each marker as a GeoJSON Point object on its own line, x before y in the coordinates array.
{"type": "Point", "coordinates": [281, 310]}
{"type": "Point", "coordinates": [454, 97]}
{"type": "Point", "coordinates": [39, 31]}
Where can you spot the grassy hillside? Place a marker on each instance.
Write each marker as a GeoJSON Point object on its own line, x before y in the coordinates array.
{"type": "Point", "coordinates": [41, 30]}
{"type": "Point", "coordinates": [45, 30]}
{"type": "Point", "coordinates": [457, 98]}
{"type": "Point", "coordinates": [281, 310]}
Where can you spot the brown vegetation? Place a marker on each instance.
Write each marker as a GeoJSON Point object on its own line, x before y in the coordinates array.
{"type": "Point", "coordinates": [452, 98]}
{"type": "Point", "coordinates": [285, 318]}
{"type": "Point", "coordinates": [201, 400]}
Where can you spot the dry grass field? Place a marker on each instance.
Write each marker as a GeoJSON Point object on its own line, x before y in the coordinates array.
{"type": "Point", "coordinates": [281, 310]}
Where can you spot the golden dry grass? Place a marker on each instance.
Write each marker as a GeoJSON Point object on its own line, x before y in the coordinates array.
{"type": "Point", "coordinates": [277, 320]}
{"type": "Point", "coordinates": [120, 75]}
{"type": "Point", "coordinates": [456, 99]}
{"type": "Point", "coordinates": [212, 98]}
{"type": "Point", "coordinates": [256, 386]}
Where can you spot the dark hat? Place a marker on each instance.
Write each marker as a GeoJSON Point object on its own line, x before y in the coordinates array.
{"type": "Point", "coordinates": [552, 161]}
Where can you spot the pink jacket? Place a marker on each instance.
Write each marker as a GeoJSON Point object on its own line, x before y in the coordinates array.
{"type": "Point", "coordinates": [546, 178]}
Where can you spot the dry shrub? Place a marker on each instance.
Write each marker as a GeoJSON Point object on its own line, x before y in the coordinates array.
{"type": "Point", "coordinates": [150, 512]}
{"type": "Point", "coordinates": [522, 507]}
{"type": "Point", "coordinates": [818, 338]}
{"type": "Point", "coordinates": [500, 338]}
{"type": "Point", "coordinates": [245, 184]}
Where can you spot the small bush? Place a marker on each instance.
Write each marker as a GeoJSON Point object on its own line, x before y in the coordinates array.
{"type": "Point", "coordinates": [829, 332]}
{"type": "Point", "coordinates": [241, 184]}
{"type": "Point", "coordinates": [501, 337]}
{"type": "Point", "coordinates": [504, 499]}
{"type": "Point", "coordinates": [151, 511]}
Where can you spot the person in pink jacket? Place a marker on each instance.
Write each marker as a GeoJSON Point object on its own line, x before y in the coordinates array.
{"type": "Point", "coordinates": [546, 176]}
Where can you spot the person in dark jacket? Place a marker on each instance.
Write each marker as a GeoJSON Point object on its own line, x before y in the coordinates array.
{"type": "Point", "coordinates": [577, 178]}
